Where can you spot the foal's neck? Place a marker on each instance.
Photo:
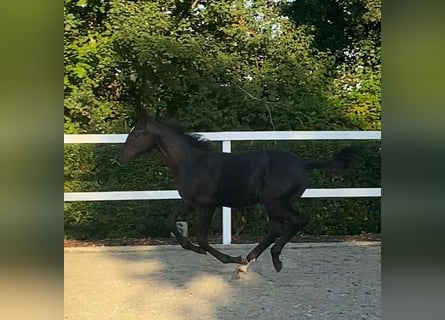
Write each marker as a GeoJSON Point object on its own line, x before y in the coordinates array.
{"type": "Point", "coordinates": [175, 151]}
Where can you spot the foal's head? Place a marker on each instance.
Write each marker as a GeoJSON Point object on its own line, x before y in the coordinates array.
{"type": "Point", "coordinates": [141, 139]}
{"type": "Point", "coordinates": [149, 133]}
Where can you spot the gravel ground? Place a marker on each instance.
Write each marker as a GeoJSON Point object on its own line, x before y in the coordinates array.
{"type": "Point", "coordinates": [318, 281]}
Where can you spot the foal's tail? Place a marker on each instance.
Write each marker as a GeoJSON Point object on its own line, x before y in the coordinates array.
{"type": "Point", "coordinates": [338, 164]}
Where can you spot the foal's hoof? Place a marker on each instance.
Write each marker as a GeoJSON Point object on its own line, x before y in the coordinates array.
{"type": "Point", "coordinates": [241, 269]}
{"type": "Point", "coordinates": [278, 265]}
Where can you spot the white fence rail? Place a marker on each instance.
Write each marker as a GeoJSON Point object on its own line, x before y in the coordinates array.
{"type": "Point", "coordinates": [226, 138]}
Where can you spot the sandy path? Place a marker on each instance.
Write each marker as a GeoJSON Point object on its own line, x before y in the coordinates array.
{"type": "Point", "coordinates": [318, 281]}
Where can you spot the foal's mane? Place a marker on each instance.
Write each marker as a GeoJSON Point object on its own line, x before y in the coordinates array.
{"type": "Point", "coordinates": [193, 139]}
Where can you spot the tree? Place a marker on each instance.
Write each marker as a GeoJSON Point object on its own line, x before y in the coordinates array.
{"type": "Point", "coordinates": [350, 31]}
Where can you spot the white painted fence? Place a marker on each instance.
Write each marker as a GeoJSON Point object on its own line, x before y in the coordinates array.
{"type": "Point", "coordinates": [226, 138]}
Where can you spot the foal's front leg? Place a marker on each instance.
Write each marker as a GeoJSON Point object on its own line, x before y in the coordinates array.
{"type": "Point", "coordinates": [204, 220]}
{"type": "Point", "coordinates": [183, 209]}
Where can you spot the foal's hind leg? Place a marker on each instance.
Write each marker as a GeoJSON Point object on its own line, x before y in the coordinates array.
{"type": "Point", "coordinates": [296, 222]}
{"type": "Point", "coordinates": [275, 229]}
{"type": "Point", "coordinates": [183, 209]}
{"type": "Point", "coordinates": [273, 233]}
{"type": "Point", "coordinates": [204, 220]}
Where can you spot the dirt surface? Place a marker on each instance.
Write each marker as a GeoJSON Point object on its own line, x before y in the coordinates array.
{"type": "Point", "coordinates": [318, 281]}
{"type": "Point", "coordinates": [215, 240]}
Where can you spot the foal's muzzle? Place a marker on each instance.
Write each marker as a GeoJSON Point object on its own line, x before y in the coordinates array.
{"type": "Point", "coordinates": [122, 158]}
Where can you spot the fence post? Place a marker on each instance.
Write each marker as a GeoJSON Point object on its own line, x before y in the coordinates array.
{"type": "Point", "coordinates": [226, 212]}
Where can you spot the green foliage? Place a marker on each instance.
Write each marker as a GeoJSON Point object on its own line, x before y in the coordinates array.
{"type": "Point", "coordinates": [218, 65]}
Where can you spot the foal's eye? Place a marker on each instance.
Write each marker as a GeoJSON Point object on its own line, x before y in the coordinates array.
{"type": "Point", "coordinates": [136, 133]}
